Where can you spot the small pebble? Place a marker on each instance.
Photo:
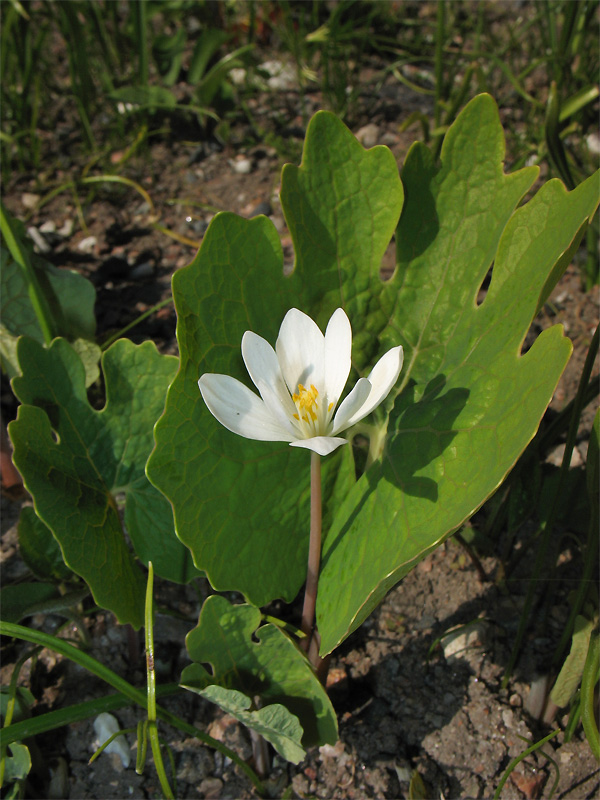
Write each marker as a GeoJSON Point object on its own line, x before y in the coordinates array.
{"type": "Point", "coordinates": [48, 227]}
{"type": "Point", "coordinates": [556, 456]}
{"type": "Point", "coordinates": [279, 223]}
{"type": "Point", "coordinates": [237, 76]}
{"type": "Point", "coordinates": [508, 717]}
{"type": "Point", "coordinates": [515, 701]}
{"type": "Point", "coordinates": [241, 165]}
{"type": "Point", "coordinates": [88, 244]}
{"type": "Point", "coordinates": [368, 135]}
{"type": "Point", "coordinates": [389, 139]}
{"type": "Point", "coordinates": [210, 788]}
{"type": "Point", "coordinates": [38, 240]}
{"type": "Point", "coordinates": [142, 271]}
{"type": "Point", "coordinates": [536, 699]}
{"type": "Point", "coordinates": [281, 76]}
{"type": "Point", "coordinates": [593, 143]}
{"type": "Point", "coordinates": [458, 645]}
{"type": "Point", "coordinates": [29, 200]}
{"type": "Point", "coordinates": [404, 774]}
{"type": "Point", "coordinates": [105, 725]}
{"type": "Point", "coordinates": [262, 208]}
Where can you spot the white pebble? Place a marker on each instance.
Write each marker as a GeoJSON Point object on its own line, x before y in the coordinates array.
{"type": "Point", "coordinates": [241, 166]}
{"type": "Point", "coordinates": [368, 135]}
{"type": "Point", "coordinates": [105, 725]}
{"type": "Point", "coordinates": [67, 228]}
{"type": "Point", "coordinates": [30, 200]}
{"type": "Point", "coordinates": [38, 240]}
{"type": "Point", "coordinates": [87, 245]}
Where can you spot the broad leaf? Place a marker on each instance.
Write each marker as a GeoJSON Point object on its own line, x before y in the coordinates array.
{"type": "Point", "coordinates": [259, 662]}
{"type": "Point", "coordinates": [470, 400]}
{"type": "Point", "coordinates": [274, 723]}
{"type": "Point", "coordinates": [18, 765]}
{"type": "Point", "coordinates": [39, 549]}
{"type": "Point", "coordinates": [71, 298]}
{"type": "Point", "coordinates": [77, 461]}
{"type": "Point", "coordinates": [242, 506]}
{"type": "Point", "coordinates": [467, 402]}
{"type": "Point", "coordinates": [21, 600]}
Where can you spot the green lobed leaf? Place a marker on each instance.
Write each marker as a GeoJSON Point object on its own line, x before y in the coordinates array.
{"type": "Point", "coordinates": [259, 662]}
{"type": "Point", "coordinates": [71, 298]}
{"type": "Point", "coordinates": [18, 764]}
{"type": "Point", "coordinates": [20, 600]}
{"type": "Point", "coordinates": [39, 549]}
{"type": "Point", "coordinates": [242, 506]}
{"type": "Point", "coordinates": [274, 723]}
{"type": "Point", "coordinates": [76, 461]}
{"type": "Point", "coordinates": [469, 400]}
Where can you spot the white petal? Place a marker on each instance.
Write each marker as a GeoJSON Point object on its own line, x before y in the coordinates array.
{"type": "Point", "coordinates": [352, 405]}
{"type": "Point", "coordinates": [323, 445]}
{"type": "Point", "coordinates": [284, 418]}
{"type": "Point", "coordinates": [301, 351]}
{"type": "Point", "coordinates": [239, 409]}
{"type": "Point", "coordinates": [338, 352]}
{"type": "Point", "coordinates": [383, 376]}
{"type": "Point", "coordinates": [263, 366]}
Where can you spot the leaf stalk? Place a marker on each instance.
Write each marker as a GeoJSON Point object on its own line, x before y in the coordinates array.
{"type": "Point", "coordinates": [314, 558]}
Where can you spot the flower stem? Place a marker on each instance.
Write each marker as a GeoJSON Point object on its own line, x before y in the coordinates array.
{"type": "Point", "coordinates": [314, 553]}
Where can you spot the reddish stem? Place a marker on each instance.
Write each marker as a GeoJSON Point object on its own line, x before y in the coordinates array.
{"type": "Point", "coordinates": [314, 558]}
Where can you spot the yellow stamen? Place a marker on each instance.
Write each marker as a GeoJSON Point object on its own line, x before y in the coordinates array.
{"type": "Point", "coordinates": [306, 402]}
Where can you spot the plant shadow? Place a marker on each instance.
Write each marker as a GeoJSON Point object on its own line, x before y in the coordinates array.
{"type": "Point", "coordinates": [422, 425]}
{"type": "Point", "coordinates": [423, 704]}
{"type": "Point", "coordinates": [421, 429]}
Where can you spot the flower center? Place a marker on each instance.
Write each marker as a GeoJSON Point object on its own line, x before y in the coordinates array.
{"type": "Point", "coordinates": [309, 411]}
{"type": "Point", "coordinates": [306, 403]}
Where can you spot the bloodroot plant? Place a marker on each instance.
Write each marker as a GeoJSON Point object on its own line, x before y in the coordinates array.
{"type": "Point", "coordinates": [289, 412]}
{"type": "Point", "coordinates": [437, 384]}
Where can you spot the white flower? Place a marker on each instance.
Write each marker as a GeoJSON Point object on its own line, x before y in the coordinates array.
{"type": "Point", "coordinates": [300, 385]}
